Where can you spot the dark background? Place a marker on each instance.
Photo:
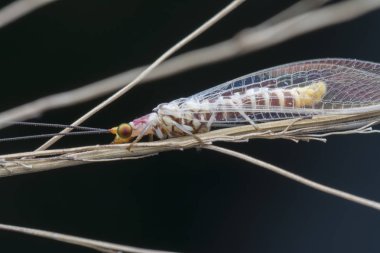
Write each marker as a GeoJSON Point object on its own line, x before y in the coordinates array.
{"type": "Point", "coordinates": [190, 201]}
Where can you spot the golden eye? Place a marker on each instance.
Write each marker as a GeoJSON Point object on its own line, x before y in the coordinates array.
{"type": "Point", "coordinates": [124, 130]}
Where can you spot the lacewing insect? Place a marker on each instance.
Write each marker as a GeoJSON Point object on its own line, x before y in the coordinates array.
{"type": "Point", "coordinates": [306, 88]}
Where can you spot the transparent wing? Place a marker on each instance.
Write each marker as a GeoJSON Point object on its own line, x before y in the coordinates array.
{"type": "Point", "coordinates": [351, 86]}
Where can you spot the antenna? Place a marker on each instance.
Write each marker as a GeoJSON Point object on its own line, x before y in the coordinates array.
{"type": "Point", "coordinates": [37, 136]}
{"type": "Point", "coordinates": [39, 124]}
{"type": "Point", "coordinates": [84, 131]}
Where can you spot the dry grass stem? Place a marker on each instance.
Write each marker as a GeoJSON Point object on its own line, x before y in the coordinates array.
{"type": "Point", "coordinates": [247, 41]}
{"type": "Point", "coordinates": [296, 130]}
{"type": "Point", "coordinates": [299, 7]}
{"type": "Point", "coordinates": [80, 241]}
{"type": "Point", "coordinates": [288, 24]}
{"type": "Point", "coordinates": [297, 178]}
{"type": "Point", "coordinates": [20, 8]}
{"type": "Point", "coordinates": [221, 14]}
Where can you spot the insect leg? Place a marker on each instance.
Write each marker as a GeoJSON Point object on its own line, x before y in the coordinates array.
{"type": "Point", "coordinates": [140, 136]}
{"type": "Point", "coordinates": [295, 121]}
{"type": "Point", "coordinates": [183, 129]}
{"type": "Point", "coordinates": [211, 120]}
{"type": "Point", "coordinates": [242, 113]}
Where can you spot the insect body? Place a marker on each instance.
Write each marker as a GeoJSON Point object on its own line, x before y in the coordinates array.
{"type": "Point", "coordinates": [315, 87]}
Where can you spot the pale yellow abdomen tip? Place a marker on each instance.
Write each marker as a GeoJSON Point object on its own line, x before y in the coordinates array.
{"type": "Point", "coordinates": [311, 94]}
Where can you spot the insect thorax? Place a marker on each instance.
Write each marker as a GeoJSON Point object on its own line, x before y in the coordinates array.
{"type": "Point", "coordinates": [178, 120]}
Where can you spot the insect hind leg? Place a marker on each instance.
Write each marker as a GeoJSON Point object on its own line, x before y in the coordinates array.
{"type": "Point", "coordinates": [303, 117]}
{"type": "Point", "coordinates": [245, 116]}
{"type": "Point", "coordinates": [242, 113]}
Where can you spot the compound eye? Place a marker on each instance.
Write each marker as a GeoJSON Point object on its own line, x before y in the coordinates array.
{"type": "Point", "coordinates": [124, 130]}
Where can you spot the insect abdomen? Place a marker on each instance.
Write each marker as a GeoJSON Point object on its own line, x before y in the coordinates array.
{"type": "Point", "coordinates": [284, 98]}
{"type": "Point", "coordinates": [251, 102]}
{"type": "Point", "coordinates": [251, 105]}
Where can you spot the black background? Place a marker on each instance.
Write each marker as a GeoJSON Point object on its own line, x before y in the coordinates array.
{"type": "Point", "coordinates": [190, 201]}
